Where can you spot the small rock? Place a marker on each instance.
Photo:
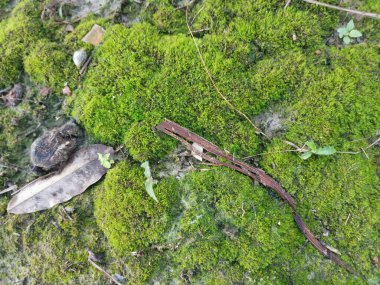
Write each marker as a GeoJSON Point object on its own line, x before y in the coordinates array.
{"type": "Point", "coordinates": [45, 91]}
{"type": "Point", "coordinates": [79, 57]}
{"type": "Point", "coordinates": [318, 52]}
{"type": "Point", "coordinates": [69, 28]}
{"type": "Point", "coordinates": [66, 91]}
{"type": "Point", "coordinates": [95, 36]}
{"type": "Point", "coordinates": [14, 96]}
{"type": "Point", "coordinates": [53, 149]}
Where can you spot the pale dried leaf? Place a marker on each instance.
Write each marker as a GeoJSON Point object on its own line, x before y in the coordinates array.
{"type": "Point", "coordinates": [83, 170]}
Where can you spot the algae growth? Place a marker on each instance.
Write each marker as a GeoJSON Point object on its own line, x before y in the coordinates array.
{"type": "Point", "coordinates": [214, 226]}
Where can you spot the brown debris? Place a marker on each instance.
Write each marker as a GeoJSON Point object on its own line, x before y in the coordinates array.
{"type": "Point", "coordinates": [188, 138]}
{"type": "Point", "coordinates": [14, 96]}
{"type": "Point", "coordinates": [45, 91]}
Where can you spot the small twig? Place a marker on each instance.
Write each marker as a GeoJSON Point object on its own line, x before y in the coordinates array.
{"type": "Point", "coordinates": [200, 31]}
{"type": "Point", "coordinates": [12, 188]}
{"type": "Point", "coordinates": [103, 271]}
{"type": "Point", "coordinates": [302, 247]}
{"type": "Point", "coordinates": [365, 14]}
{"type": "Point", "coordinates": [85, 65]}
{"type": "Point", "coordinates": [67, 214]}
{"type": "Point", "coordinates": [349, 215]}
{"type": "Point", "coordinates": [214, 84]}
{"type": "Point", "coordinates": [287, 4]}
{"type": "Point", "coordinates": [373, 144]}
{"type": "Point", "coordinates": [196, 15]}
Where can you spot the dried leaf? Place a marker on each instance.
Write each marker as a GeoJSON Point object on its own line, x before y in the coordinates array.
{"type": "Point", "coordinates": [95, 36]}
{"type": "Point", "coordinates": [83, 170]}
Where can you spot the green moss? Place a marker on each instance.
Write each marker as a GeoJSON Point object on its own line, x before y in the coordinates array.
{"type": "Point", "coordinates": [49, 64]}
{"type": "Point", "coordinates": [62, 243]}
{"type": "Point", "coordinates": [165, 16]}
{"type": "Point", "coordinates": [144, 142]}
{"type": "Point", "coordinates": [132, 220]}
{"type": "Point", "coordinates": [150, 79]}
{"type": "Point", "coordinates": [17, 33]}
{"type": "Point", "coordinates": [331, 109]}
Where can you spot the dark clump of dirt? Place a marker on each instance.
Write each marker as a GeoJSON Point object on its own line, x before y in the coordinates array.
{"type": "Point", "coordinates": [53, 148]}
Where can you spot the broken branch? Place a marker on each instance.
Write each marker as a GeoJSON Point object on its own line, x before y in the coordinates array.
{"type": "Point", "coordinates": [188, 138]}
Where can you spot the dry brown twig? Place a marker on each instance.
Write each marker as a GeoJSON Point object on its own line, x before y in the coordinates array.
{"type": "Point", "coordinates": [212, 153]}
{"type": "Point", "coordinates": [103, 271]}
{"type": "Point", "coordinates": [351, 11]}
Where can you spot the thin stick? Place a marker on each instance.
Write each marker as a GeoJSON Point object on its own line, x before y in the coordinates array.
{"type": "Point", "coordinates": [12, 188]}
{"type": "Point", "coordinates": [104, 272]}
{"type": "Point", "coordinates": [365, 14]}
{"type": "Point", "coordinates": [374, 143]}
{"type": "Point", "coordinates": [287, 4]}
{"type": "Point", "coordinates": [85, 65]}
{"type": "Point", "coordinates": [196, 15]}
{"type": "Point", "coordinates": [216, 86]}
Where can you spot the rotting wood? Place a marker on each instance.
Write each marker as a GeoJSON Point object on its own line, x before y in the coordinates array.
{"type": "Point", "coordinates": [187, 138]}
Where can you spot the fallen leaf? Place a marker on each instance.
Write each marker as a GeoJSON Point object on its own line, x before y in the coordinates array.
{"type": "Point", "coordinates": [83, 170]}
{"type": "Point", "coordinates": [95, 36]}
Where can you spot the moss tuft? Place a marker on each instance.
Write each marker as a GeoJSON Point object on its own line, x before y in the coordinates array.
{"type": "Point", "coordinates": [131, 219]}
{"type": "Point", "coordinates": [49, 64]}
{"type": "Point", "coordinates": [17, 34]}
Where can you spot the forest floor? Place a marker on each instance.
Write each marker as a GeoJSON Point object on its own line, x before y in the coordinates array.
{"type": "Point", "coordinates": [271, 82]}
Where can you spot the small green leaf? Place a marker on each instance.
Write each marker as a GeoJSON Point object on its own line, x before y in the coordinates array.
{"type": "Point", "coordinates": [106, 164]}
{"type": "Point", "coordinates": [306, 155]}
{"type": "Point", "coordinates": [346, 40]}
{"type": "Point", "coordinates": [350, 25]}
{"type": "Point", "coordinates": [327, 150]}
{"type": "Point", "coordinates": [342, 32]}
{"type": "Point", "coordinates": [355, 34]}
{"type": "Point", "coordinates": [105, 160]}
{"type": "Point", "coordinates": [311, 145]}
{"type": "Point", "coordinates": [60, 11]}
{"type": "Point", "coordinates": [149, 180]}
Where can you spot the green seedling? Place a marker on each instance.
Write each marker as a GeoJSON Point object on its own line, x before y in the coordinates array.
{"type": "Point", "coordinates": [348, 32]}
{"type": "Point", "coordinates": [105, 160]}
{"type": "Point", "coordinates": [149, 182]}
{"type": "Point", "coordinates": [313, 149]}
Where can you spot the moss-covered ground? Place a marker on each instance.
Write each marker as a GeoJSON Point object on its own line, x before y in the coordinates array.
{"type": "Point", "coordinates": [214, 226]}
